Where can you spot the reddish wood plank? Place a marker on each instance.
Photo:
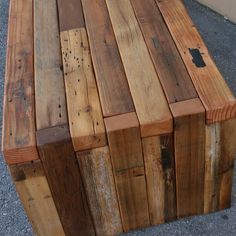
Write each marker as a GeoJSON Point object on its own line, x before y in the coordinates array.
{"type": "Point", "coordinates": [18, 141]}
{"type": "Point", "coordinates": [111, 79]}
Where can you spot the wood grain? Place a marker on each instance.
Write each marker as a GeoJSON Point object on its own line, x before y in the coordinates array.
{"type": "Point", "coordinates": [189, 141]}
{"type": "Point", "coordinates": [70, 14]}
{"type": "Point", "coordinates": [128, 166]}
{"type": "Point", "coordinates": [49, 83]}
{"type": "Point", "coordinates": [62, 171]}
{"type": "Point", "coordinates": [219, 102]}
{"type": "Point", "coordinates": [84, 110]}
{"type": "Point", "coordinates": [160, 177]}
{"type": "Point", "coordinates": [32, 187]}
{"type": "Point", "coordinates": [154, 117]}
{"type": "Point", "coordinates": [168, 63]}
{"type": "Point", "coordinates": [97, 175]}
{"type": "Point", "coordinates": [18, 141]}
{"type": "Point", "coordinates": [111, 79]}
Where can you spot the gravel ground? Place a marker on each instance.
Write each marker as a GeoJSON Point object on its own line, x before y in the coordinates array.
{"type": "Point", "coordinates": [220, 36]}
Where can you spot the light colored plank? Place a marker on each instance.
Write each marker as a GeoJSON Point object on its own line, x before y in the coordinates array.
{"type": "Point", "coordinates": [49, 83]}
{"type": "Point", "coordinates": [128, 166]}
{"type": "Point", "coordinates": [97, 175]}
{"type": "Point", "coordinates": [84, 111]}
{"type": "Point", "coordinates": [160, 177]}
{"type": "Point", "coordinates": [153, 114]}
{"type": "Point", "coordinates": [189, 145]}
{"type": "Point", "coordinates": [110, 75]}
{"type": "Point", "coordinates": [32, 187]}
{"type": "Point", "coordinates": [18, 141]}
{"type": "Point", "coordinates": [219, 102]}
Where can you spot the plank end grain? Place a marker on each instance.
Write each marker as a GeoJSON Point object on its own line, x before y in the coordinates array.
{"type": "Point", "coordinates": [63, 175]}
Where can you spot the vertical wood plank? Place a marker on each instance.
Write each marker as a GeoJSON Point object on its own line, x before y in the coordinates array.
{"type": "Point", "coordinates": [128, 166]}
{"type": "Point", "coordinates": [189, 139]}
{"type": "Point", "coordinates": [154, 117]}
{"type": "Point", "coordinates": [111, 79]}
{"type": "Point", "coordinates": [61, 169]}
{"type": "Point", "coordinates": [18, 141]}
{"type": "Point", "coordinates": [84, 110]}
{"type": "Point", "coordinates": [160, 175]}
{"type": "Point", "coordinates": [32, 187]}
{"type": "Point", "coordinates": [97, 175]}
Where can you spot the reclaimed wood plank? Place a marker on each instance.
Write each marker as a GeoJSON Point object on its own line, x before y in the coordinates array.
{"type": "Point", "coordinates": [63, 175]}
{"type": "Point", "coordinates": [219, 102]}
{"type": "Point", "coordinates": [126, 153]}
{"type": "Point", "coordinates": [84, 110]}
{"type": "Point", "coordinates": [70, 14]}
{"type": "Point", "coordinates": [189, 140]}
{"type": "Point", "coordinates": [168, 63]}
{"type": "Point", "coordinates": [96, 170]}
{"type": "Point", "coordinates": [111, 79]}
{"type": "Point", "coordinates": [154, 117]}
{"type": "Point", "coordinates": [49, 83]}
{"type": "Point", "coordinates": [160, 177]}
{"type": "Point", "coordinates": [32, 187]}
{"type": "Point", "coordinates": [18, 141]}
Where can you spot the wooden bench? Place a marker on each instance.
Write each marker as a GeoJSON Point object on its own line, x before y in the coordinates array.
{"type": "Point", "coordinates": [115, 116]}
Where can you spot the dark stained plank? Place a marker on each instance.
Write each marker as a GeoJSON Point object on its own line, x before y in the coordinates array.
{"type": "Point", "coordinates": [70, 14]}
{"type": "Point", "coordinates": [168, 63]}
{"type": "Point", "coordinates": [111, 79]}
{"type": "Point", "coordinates": [189, 145]}
{"type": "Point", "coordinates": [18, 141]}
{"type": "Point", "coordinates": [64, 179]}
{"type": "Point", "coordinates": [128, 167]}
{"type": "Point", "coordinates": [32, 187]}
{"type": "Point", "coordinates": [160, 176]}
{"type": "Point", "coordinates": [218, 100]}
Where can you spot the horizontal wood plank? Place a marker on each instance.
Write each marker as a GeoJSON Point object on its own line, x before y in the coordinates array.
{"type": "Point", "coordinates": [32, 187]}
{"type": "Point", "coordinates": [154, 117]}
{"type": "Point", "coordinates": [111, 79]}
{"type": "Point", "coordinates": [18, 141]}
{"type": "Point", "coordinates": [49, 83]}
{"type": "Point", "coordinates": [219, 102]}
{"type": "Point", "coordinates": [84, 110]}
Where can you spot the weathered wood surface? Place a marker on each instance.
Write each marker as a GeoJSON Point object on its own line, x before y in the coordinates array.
{"type": "Point", "coordinates": [219, 102]}
{"type": "Point", "coordinates": [18, 141]}
{"type": "Point", "coordinates": [168, 63]}
{"type": "Point", "coordinates": [62, 171]}
{"type": "Point", "coordinates": [128, 166]}
{"type": "Point", "coordinates": [160, 177]}
{"type": "Point", "coordinates": [97, 175]}
{"type": "Point", "coordinates": [70, 14]}
{"type": "Point", "coordinates": [111, 79]}
{"type": "Point", "coordinates": [84, 111]}
{"type": "Point", "coordinates": [32, 187]}
{"type": "Point", "coordinates": [49, 82]}
{"type": "Point", "coordinates": [154, 117]}
{"type": "Point", "coordinates": [189, 140]}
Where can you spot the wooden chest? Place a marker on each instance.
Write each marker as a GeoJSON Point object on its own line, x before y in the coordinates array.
{"type": "Point", "coordinates": [115, 116]}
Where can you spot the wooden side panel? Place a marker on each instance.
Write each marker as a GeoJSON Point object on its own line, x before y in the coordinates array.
{"type": "Point", "coordinates": [128, 166]}
{"type": "Point", "coordinates": [32, 187]}
{"type": "Point", "coordinates": [84, 111]}
{"type": "Point", "coordinates": [160, 175]}
{"type": "Point", "coordinates": [97, 175]}
{"type": "Point", "coordinates": [18, 141]}
{"type": "Point", "coordinates": [154, 117]}
{"type": "Point", "coordinates": [189, 140]}
{"type": "Point", "coordinates": [62, 171]}
{"type": "Point", "coordinates": [112, 84]}
{"type": "Point", "coordinates": [49, 83]}
{"type": "Point", "coordinates": [219, 102]}
{"type": "Point", "coordinates": [168, 63]}
{"type": "Point", "coordinates": [70, 14]}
